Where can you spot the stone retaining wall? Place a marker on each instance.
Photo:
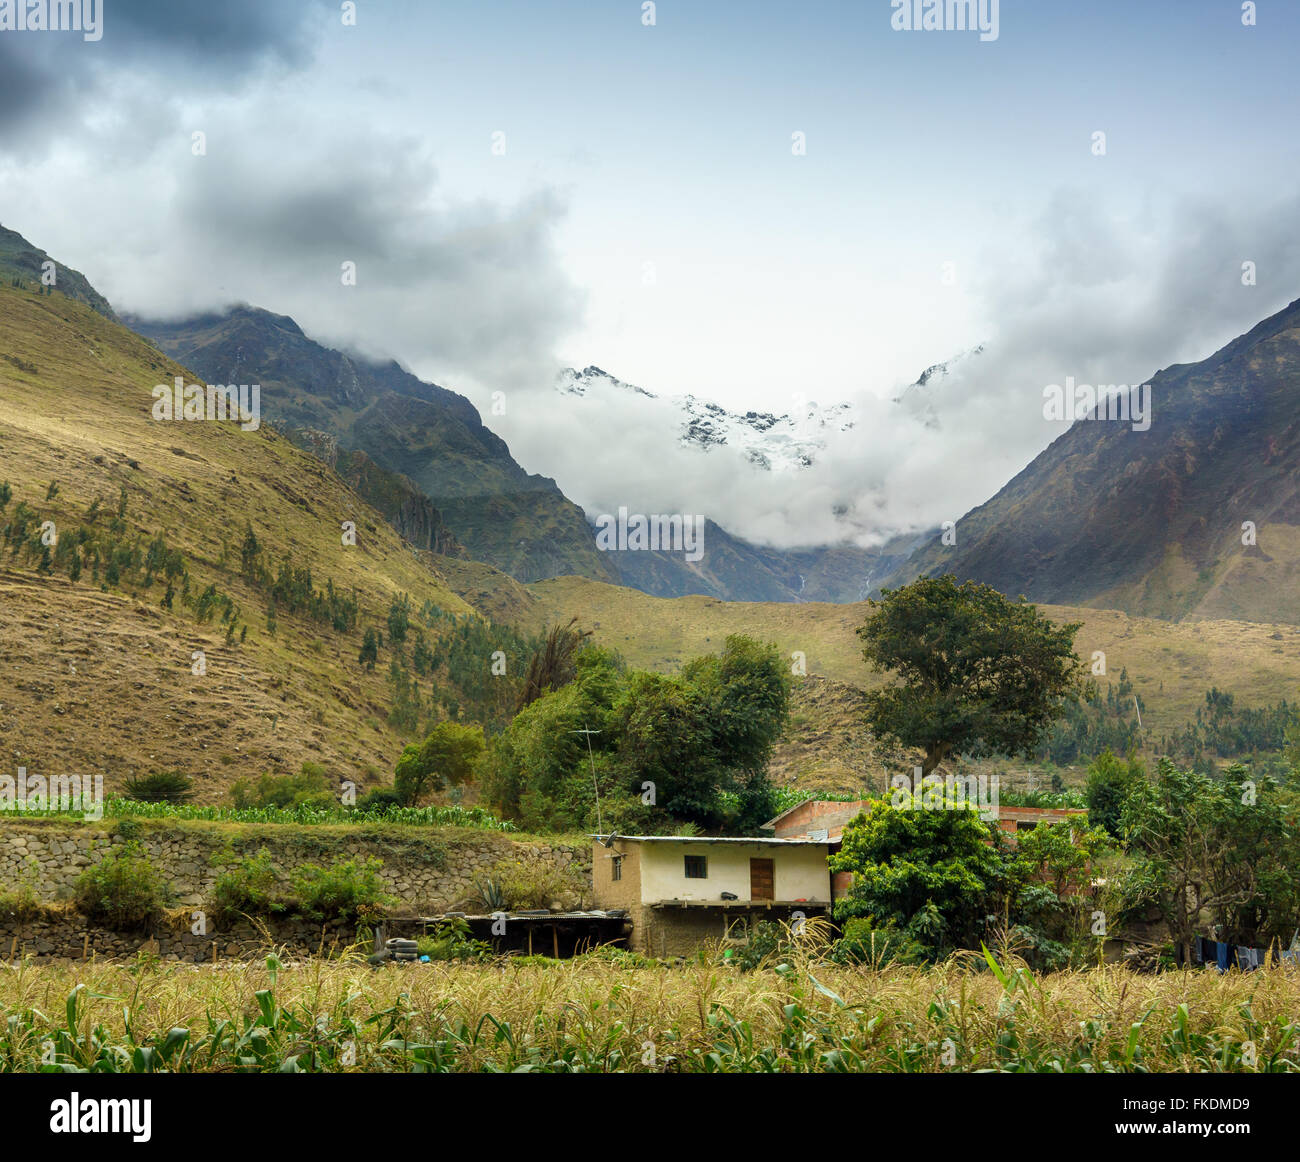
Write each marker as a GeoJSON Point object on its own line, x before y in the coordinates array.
{"type": "Point", "coordinates": [70, 937]}
{"type": "Point", "coordinates": [427, 874]}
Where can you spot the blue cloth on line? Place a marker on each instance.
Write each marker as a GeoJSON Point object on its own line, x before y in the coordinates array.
{"type": "Point", "coordinates": [1221, 955]}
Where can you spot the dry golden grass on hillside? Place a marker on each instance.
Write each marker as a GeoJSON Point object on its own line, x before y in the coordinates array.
{"type": "Point", "coordinates": [1171, 664]}
{"type": "Point", "coordinates": [101, 682]}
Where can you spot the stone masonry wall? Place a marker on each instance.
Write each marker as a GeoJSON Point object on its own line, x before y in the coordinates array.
{"type": "Point", "coordinates": [427, 874]}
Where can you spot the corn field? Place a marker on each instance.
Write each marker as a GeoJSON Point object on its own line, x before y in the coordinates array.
{"type": "Point", "coordinates": [610, 1012]}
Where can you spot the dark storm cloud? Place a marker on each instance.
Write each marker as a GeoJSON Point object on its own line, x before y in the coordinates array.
{"type": "Point", "coordinates": [50, 82]}
{"type": "Point", "coordinates": [222, 32]}
{"type": "Point", "coordinates": [276, 208]}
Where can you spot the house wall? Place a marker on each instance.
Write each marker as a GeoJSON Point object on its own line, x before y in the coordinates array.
{"type": "Point", "coordinates": [1009, 818]}
{"type": "Point", "coordinates": [817, 815]}
{"type": "Point", "coordinates": [653, 872]}
{"type": "Point", "coordinates": [800, 873]}
{"type": "Point", "coordinates": [675, 930]}
{"type": "Point", "coordinates": [624, 892]}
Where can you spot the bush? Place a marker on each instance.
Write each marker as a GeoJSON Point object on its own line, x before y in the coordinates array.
{"type": "Point", "coordinates": [534, 883]}
{"type": "Point", "coordinates": [252, 886]}
{"type": "Point", "coordinates": [123, 891]}
{"type": "Point", "coordinates": [19, 905]}
{"type": "Point", "coordinates": [380, 800]}
{"type": "Point", "coordinates": [310, 787]}
{"type": "Point", "coordinates": [452, 941]}
{"type": "Point", "coordinates": [617, 957]}
{"type": "Point", "coordinates": [766, 941]}
{"type": "Point", "coordinates": [864, 943]}
{"type": "Point", "coordinates": [343, 891]}
{"type": "Point", "coordinates": [164, 787]}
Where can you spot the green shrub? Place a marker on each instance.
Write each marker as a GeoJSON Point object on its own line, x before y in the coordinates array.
{"type": "Point", "coordinates": [123, 891]}
{"type": "Point", "coordinates": [342, 891]}
{"type": "Point", "coordinates": [310, 787]}
{"type": "Point", "coordinates": [616, 957]}
{"type": "Point", "coordinates": [252, 886]}
{"type": "Point", "coordinates": [163, 787]}
{"type": "Point", "coordinates": [452, 941]}
{"type": "Point", "coordinates": [380, 800]}
{"type": "Point", "coordinates": [20, 904]}
{"type": "Point", "coordinates": [864, 943]}
{"type": "Point", "coordinates": [534, 883]}
{"type": "Point", "coordinates": [767, 940]}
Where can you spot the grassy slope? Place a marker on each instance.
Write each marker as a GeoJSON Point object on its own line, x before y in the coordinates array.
{"type": "Point", "coordinates": [1170, 664]}
{"type": "Point", "coordinates": [100, 682]}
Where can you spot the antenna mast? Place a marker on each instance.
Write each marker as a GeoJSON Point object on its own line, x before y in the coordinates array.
{"type": "Point", "coordinates": [600, 825]}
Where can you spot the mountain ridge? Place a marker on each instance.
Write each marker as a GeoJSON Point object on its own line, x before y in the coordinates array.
{"type": "Point", "coordinates": [1152, 522]}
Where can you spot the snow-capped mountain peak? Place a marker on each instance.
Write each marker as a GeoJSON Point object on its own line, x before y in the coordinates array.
{"type": "Point", "coordinates": [773, 442]}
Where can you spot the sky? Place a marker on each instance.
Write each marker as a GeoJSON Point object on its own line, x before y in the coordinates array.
{"type": "Point", "coordinates": [525, 186]}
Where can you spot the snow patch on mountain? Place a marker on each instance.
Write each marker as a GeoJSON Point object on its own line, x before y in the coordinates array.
{"type": "Point", "coordinates": [779, 443]}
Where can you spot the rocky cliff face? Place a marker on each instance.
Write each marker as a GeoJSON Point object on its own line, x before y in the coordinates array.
{"type": "Point", "coordinates": [1198, 515]}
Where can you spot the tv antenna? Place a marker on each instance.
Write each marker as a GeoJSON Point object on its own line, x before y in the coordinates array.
{"type": "Point", "coordinates": [600, 826]}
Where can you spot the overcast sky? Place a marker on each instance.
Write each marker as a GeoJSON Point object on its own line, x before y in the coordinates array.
{"type": "Point", "coordinates": [643, 209]}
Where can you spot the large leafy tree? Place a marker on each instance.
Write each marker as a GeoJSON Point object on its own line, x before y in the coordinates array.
{"type": "Point", "coordinates": [975, 672]}
{"type": "Point", "coordinates": [943, 879]}
{"type": "Point", "coordinates": [1111, 780]}
{"type": "Point", "coordinates": [938, 876]}
{"type": "Point", "coordinates": [446, 758]}
{"type": "Point", "coordinates": [703, 738]}
{"type": "Point", "coordinates": [1215, 849]}
{"type": "Point", "coordinates": [538, 770]}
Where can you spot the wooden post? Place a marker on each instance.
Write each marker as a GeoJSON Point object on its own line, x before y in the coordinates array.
{"type": "Point", "coordinates": [214, 952]}
{"type": "Point", "coordinates": [555, 940]}
{"type": "Point", "coordinates": [530, 938]}
{"type": "Point", "coordinates": [85, 945]}
{"type": "Point", "coordinates": [13, 947]}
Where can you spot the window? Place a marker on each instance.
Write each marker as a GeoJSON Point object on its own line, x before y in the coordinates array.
{"type": "Point", "coordinates": [697, 867]}
{"type": "Point", "coordinates": [616, 868]}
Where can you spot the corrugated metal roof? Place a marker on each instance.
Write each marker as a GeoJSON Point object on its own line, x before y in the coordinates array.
{"type": "Point", "coordinates": [760, 840]}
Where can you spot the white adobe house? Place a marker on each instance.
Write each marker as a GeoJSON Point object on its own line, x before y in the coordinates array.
{"type": "Point", "coordinates": [681, 891]}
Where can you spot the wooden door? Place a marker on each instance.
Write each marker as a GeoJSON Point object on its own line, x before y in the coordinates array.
{"type": "Point", "coordinates": [761, 879]}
